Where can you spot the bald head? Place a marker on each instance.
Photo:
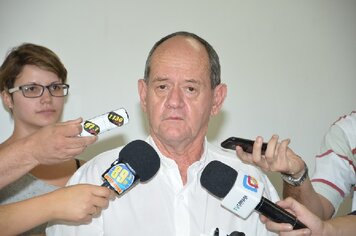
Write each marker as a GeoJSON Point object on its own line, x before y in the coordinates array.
{"type": "Point", "coordinates": [191, 45]}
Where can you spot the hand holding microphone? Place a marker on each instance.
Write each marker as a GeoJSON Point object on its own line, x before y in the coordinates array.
{"type": "Point", "coordinates": [137, 161]}
{"type": "Point", "coordinates": [77, 203]}
{"type": "Point", "coordinates": [241, 194]}
{"type": "Point", "coordinates": [65, 140]}
{"type": "Point", "coordinates": [56, 143]}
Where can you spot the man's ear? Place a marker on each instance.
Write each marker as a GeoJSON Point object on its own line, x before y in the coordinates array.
{"type": "Point", "coordinates": [220, 93]}
{"type": "Point", "coordinates": [142, 92]}
{"type": "Point", "coordinates": [7, 100]}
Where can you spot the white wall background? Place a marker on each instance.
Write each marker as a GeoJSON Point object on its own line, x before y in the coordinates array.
{"type": "Point", "coordinates": [290, 66]}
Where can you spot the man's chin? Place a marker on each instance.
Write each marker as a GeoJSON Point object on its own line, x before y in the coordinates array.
{"type": "Point", "coordinates": [174, 138]}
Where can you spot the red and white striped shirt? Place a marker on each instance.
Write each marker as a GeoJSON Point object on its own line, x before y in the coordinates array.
{"type": "Point", "coordinates": [335, 175]}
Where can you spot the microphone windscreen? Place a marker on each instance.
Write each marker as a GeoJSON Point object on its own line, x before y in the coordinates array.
{"type": "Point", "coordinates": [142, 158]}
{"type": "Point", "coordinates": [218, 178]}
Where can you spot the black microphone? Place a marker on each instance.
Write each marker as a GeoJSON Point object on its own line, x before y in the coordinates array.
{"type": "Point", "coordinates": [242, 194]}
{"type": "Point", "coordinates": [137, 161]}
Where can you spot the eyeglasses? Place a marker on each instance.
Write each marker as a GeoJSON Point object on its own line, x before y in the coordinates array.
{"type": "Point", "coordinates": [36, 90]}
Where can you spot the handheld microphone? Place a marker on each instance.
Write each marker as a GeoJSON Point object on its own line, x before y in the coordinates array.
{"type": "Point", "coordinates": [105, 122]}
{"type": "Point", "coordinates": [242, 194]}
{"type": "Point", "coordinates": [137, 161]}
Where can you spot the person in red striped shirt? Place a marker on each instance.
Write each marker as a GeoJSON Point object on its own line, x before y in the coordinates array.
{"type": "Point", "coordinates": [334, 177]}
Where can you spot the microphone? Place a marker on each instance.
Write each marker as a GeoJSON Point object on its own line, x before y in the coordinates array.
{"type": "Point", "coordinates": [105, 122]}
{"type": "Point", "coordinates": [137, 161]}
{"type": "Point", "coordinates": [242, 194]}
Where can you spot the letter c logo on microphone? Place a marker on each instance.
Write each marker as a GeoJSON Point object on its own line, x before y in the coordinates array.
{"type": "Point", "coordinates": [250, 183]}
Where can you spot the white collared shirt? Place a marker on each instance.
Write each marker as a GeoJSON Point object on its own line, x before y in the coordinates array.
{"type": "Point", "coordinates": [163, 206]}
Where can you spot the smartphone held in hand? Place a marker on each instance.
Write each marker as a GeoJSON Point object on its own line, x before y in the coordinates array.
{"type": "Point", "coordinates": [245, 144]}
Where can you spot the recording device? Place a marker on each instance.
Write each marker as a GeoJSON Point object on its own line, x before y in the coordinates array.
{"type": "Point", "coordinates": [218, 232]}
{"type": "Point", "coordinates": [242, 193]}
{"type": "Point", "coordinates": [105, 122]}
{"type": "Point", "coordinates": [137, 161]}
{"type": "Point", "coordinates": [245, 144]}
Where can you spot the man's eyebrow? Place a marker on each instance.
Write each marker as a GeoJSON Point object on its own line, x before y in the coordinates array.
{"type": "Point", "coordinates": [193, 81]}
{"type": "Point", "coordinates": [159, 79]}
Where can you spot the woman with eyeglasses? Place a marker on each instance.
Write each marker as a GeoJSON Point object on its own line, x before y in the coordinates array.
{"type": "Point", "coordinates": [33, 88]}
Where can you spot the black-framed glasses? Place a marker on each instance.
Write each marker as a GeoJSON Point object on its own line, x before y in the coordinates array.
{"type": "Point", "coordinates": [36, 90]}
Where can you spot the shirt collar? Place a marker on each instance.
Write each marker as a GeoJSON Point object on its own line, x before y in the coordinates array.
{"type": "Point", "coordinates": [168, 162]}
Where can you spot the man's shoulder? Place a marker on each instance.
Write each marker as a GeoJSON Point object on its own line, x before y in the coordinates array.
{"type": "Point", "coordinates": [346, 121]}
{"type": "Point", "coordinates": [98, 164]}
{"type": "Point", "coordinates": [109, 155]}
{"type": "Point", "coordinates": [342, 132]}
